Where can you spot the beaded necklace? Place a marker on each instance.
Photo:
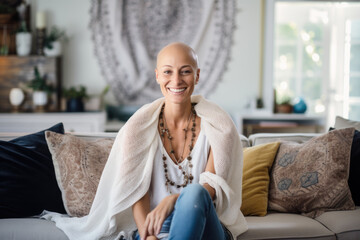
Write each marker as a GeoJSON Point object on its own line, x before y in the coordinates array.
{"type": "Point", "coordinates": [188, 177]}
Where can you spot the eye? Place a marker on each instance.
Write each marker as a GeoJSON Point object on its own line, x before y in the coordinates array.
{"type": "Point", "coordinates": [167, 72]}
{"type": "Point", "coordinates": [185, 72]}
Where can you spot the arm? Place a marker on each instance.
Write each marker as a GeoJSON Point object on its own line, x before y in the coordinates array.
{"type": "Point", "coordinates": [155, 219]}
{"type": "Point", "coordinates": [210, 168]}
{"type": "Point", "coordinates": [140, 210]}
{"type": "Point", "coordinates": [149, 223]}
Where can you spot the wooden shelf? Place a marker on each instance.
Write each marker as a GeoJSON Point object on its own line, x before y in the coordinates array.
{"type": "Point", "coordinates": [279, 123]}
{"type": "Point", "coordinates": [16, 71]}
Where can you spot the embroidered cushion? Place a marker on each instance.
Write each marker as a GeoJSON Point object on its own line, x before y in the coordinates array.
{"type": "Point", "coordinates": [257, 164]}
{"type": "Point", "coordinates": [311, 178]}
{"type": "Point", "coordinates": [78, 166]}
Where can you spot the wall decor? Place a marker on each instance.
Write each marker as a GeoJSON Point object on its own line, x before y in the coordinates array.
{"type": "Point", "coordinates": [128, 34]}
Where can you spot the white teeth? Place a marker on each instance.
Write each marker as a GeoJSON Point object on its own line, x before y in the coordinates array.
{"type": "Point", "coordinates": [177, 90]}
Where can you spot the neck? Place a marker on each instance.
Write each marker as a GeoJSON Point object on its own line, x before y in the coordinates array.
{"type": "Point", "coordinates": [177, 114]}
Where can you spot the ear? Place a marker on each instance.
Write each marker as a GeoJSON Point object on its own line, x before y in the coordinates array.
{"type": "Point", "coordinates": [157, 75]}
{"type": "Point", "coordinates": [197, 76]}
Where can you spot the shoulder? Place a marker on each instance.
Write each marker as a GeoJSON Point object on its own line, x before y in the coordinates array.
{"type": "Point", "coordinates": [143, 119]}
{"type": "Point", "coordinates": [210, 111]}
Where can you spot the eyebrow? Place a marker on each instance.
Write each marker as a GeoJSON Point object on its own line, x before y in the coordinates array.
{"type": "Point", "coordinates": [188, 65]}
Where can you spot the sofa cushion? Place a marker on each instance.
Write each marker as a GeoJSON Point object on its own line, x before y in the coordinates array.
{"type": "Point", "coordinates": [341, 122]}
{"type": "Point", "coordinates": [354, 179]}
{"type": "Point", "coordinates": [27, 178]}
{"type": "Point", "coordinates": [311, 178]}
{"type": "Point", "coordinates": [285, 226]}
{"type": "Point", "coordinates": [257, 164]}
{"type": "Point", "coordinates": [346, 224]}
{"type": "Point", "coordinates": [30, 229]}
{"type": "Point", "coordinates": [78, 166]}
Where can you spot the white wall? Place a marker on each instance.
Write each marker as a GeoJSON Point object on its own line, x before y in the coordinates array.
{"type": "Point", "coordinates": [240, 81]}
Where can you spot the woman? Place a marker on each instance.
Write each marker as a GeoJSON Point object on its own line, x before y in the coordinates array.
{"type": "Point", "coordinates": [175, 167]}
{"type": "Point", "coordinates": [181, 157]}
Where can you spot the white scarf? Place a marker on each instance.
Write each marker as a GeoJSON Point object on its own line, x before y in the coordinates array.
{"type": "Point", "coordinates": [127, 174]}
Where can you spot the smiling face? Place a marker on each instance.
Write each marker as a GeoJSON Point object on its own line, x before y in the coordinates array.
{"type": "Point", "coordinates": [177, 72]}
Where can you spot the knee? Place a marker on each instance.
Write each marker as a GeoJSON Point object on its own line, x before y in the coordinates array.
{"type": "Point", "coordinates": [194, 189]}
{"type": "Point", "coordinates": [196, 194]}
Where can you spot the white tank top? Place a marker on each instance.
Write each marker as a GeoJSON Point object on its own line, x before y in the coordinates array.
{"type": "Point", "coordinates": [158, 189]}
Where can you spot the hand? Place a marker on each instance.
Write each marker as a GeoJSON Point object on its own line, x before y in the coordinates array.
{"type": "Point", "coordinates": [156, 217]}
{"type": "Point", "coordinates": [151, 238]}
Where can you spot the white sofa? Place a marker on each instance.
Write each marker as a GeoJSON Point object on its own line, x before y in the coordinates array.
{"type": "Point", "coordinates": [330, 225]}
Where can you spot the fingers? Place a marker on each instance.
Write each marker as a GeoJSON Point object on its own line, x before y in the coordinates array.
{"type": "Point", "coordinates": [150, 227]}
{"type": "Point", "coordinates": [153, 223]}
{"type": "Point", "coordinates": [145, 230]}
{"type": "Point", "coordinates": [158, 224]}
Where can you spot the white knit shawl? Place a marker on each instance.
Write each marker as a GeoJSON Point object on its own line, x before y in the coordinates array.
{"type": "Point", "coordinates": [127, 174]}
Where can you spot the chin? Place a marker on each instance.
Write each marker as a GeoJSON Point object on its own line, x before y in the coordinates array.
{"type": "Point", "coordinates": [178, 99]}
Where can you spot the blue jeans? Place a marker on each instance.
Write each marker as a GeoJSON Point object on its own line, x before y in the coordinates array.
{"type": "Point", "coordinates": [194, 217]}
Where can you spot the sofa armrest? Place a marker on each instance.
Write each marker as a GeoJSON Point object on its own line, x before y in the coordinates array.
{"type": "Point", "coordinates": [10, 136]}
{"type": "Point", "coordinates": [261, 138]}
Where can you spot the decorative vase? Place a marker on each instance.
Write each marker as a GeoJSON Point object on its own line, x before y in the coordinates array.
{"type": "Point", "coordinates": [75, 105]}
{"type": "Point", "coordinates": [299, 105]}
{"type": "Point", "coordinates": [55, 51]}
{"type": "Point", "coordinates": [16, 97]}
{"type": "Point", "coordinates": [40, 100]}
{"type": "Point", "coordinates": [23, 43]}
{"type": "Point", "coordinates": [93, 104]}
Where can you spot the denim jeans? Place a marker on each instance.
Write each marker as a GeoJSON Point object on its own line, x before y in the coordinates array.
{"type": "Point", "coordinates": [194, 217]}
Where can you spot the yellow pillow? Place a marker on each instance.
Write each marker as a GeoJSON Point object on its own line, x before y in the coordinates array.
{"type": "Point", "coordinates": [257, 164]}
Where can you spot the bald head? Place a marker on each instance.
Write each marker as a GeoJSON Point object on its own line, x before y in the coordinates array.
{"type": "Point", "coordinates": [178, 50]}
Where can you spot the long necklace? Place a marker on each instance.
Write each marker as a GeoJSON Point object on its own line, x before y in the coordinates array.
{"type": "Point", "coordinates": [188, 177]}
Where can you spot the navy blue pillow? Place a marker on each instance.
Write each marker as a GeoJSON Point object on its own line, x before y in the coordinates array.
{"type": "Point", "coordinates": [354, 179]}
{"type": "Point", "coordinates": [27, 177]}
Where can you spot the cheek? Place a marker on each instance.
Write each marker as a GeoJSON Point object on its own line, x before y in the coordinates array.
{"type": "Point", "coordinates": [163, 81]}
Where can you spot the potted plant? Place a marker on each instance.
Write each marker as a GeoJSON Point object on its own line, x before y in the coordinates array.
{"type": "Point", "coordinates": [283, 104]}
{"type": "Point", "coordinates": [52, 42]}
{"type": "Point", "coordinates": [40, 88]}
{"type": "Point", "coordinates": [75, 97]}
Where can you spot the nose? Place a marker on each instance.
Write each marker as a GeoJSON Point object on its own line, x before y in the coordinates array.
{"type": "Point", "coordinates": [177, 77]}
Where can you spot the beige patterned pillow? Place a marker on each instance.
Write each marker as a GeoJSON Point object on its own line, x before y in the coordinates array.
{"type": "Point", "coordinates": [78, 167]}
{"type": "Point", "coordinates": [312, 177]}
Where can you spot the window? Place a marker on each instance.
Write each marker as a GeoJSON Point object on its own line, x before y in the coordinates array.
{"type": "Point", "coordinates": [312, 50]}
{"type": "Point", "coordinates": [352, 73]}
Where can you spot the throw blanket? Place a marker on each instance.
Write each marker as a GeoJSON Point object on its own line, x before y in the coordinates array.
{"type": "Point", "coordinates": [127, 174]}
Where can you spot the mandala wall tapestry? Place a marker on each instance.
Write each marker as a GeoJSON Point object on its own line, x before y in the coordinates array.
{"type": "Point", "coordinates": [128, 34]}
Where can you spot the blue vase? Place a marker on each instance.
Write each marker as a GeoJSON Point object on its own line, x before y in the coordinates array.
{"type": "Point", "coordinates": [299, 105]}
